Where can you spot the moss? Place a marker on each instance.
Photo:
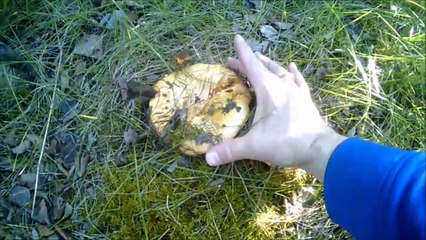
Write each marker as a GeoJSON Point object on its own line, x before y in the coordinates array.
{"type": "Point", "coordinates": [183, 204]}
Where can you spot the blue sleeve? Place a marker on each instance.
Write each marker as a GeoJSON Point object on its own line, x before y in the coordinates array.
{"type": "Point", "coordinates": [376, 192]}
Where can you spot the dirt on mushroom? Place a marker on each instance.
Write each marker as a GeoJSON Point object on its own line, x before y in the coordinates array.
{"type": "Point", "coordinates": [199, 106]}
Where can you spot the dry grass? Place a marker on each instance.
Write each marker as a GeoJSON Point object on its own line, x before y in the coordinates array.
{"type": "Point", "coordinates": [126, 189]}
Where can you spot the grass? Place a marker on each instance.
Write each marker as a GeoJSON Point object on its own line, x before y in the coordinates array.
{"type": "Point", "coordinates": [126, 191]}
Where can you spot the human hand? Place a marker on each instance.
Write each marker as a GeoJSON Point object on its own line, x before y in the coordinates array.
{"type": "Point", "coordinates": [287, 128]}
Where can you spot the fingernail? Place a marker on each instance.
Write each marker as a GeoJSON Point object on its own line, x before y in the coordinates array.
{"type": "Point", "coordinates": [212, 158]}
{"type": "Point", "coordinates": [239, 38]}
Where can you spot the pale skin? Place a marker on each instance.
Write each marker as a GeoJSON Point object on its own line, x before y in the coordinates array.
{"type": "Point", "coordinates": [287, 129]}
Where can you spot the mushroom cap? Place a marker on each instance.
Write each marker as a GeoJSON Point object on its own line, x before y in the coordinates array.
{"type": "Point", "coordinates": [199, 106]}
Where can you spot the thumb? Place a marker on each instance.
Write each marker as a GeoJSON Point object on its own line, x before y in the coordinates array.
{"type": "Point", "coordinates": [228, 151]}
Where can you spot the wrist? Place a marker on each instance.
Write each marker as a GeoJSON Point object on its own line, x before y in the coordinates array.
{"type": "Point", "coordinates": [320, 151]}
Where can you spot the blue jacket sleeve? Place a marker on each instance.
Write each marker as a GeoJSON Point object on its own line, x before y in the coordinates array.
{"type": "Point", "coordinates": [376, 192]}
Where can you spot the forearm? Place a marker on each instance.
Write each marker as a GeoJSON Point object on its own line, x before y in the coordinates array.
{"type": "Point", "coordinates": [376, 192]}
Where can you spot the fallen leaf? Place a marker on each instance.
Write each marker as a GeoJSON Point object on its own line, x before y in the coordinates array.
{"type": "Point", "coordinates": [41, 213]}
{"type": "Point", "coordinates": [253, 4]}
{"type": "Point", "coordinates": [237, 29]}
{"type": "Point", "coordinates": [353, 28]}
{"type": "Point", "coordinates": [172, 167]}
{"type": "Point", "coordinates": [67, 211]}
{"type": "Point", "coordinates": [269, 32]}
{"type": "Point", "coordinates": [53, 147]}
{"type": "Point", "coordinates": [255, 18]}
{"type": "Point", "coordinates": [58, 207]}
{"type": "Point", "coordinates": [19, 195]}
{"type": "Point", "coordinates": [11, 139]}
{"type": "Point", "coordinates": [83, 164]}
{"type": "Point", "coordinates": [130, 136]}
{"type": "Point", "coordinates": [89, 46]}
{"type": "Point", "coordinates": [67, 149]}
{"type": "Point", "coordinates": [136, 89]}
{"type": "Point", "coordinates": [22, 147]}
{"type": "Point", "coordinates": [65, 80]}
{"type": "Point", "coordinates": [183, 58]}
{"type": "Point", "coordinates": [80, 67]}
{"type": "Point", "coordinates": [34, 234]}
{"type": "Point", "coordinates": [53, 237]}
{"type": "Point", "coordinates": [28, 180]}
{"type": "Point", "coordinates": [111, 21]}
{"type": "Point", "coordinates": [258, 46]}
{"type": "Point", "coordinates": [34, 139]}
{"type": "Point", "coordinates": [185, 161]}
{"type": "Point", "coordinates": [43, 230]}
{"type": "Point", "coordinates": [69, 109]}
{"type": "Point", "coordinates": [6, 165]}
{"type": "Point", "coordinates": [61, 232]}
{"type": "Point", "coordinates": [283, 25]}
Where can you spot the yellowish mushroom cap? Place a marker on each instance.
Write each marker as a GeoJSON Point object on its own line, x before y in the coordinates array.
{"type": "Point", "coordinates": [199, 106]}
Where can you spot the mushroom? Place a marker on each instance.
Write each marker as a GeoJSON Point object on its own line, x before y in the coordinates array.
{"type": "Point", "coordinates": [199, 106]}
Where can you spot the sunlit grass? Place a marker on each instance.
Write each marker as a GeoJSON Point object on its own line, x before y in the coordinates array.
{"type": "Point", "coordinates": [253, 200]}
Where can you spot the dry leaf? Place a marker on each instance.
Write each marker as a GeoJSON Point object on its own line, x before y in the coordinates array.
{"type": "Point", "coordinates": [80, 67]}
{"type": "Point", "coordinates": [89, 46]}
{"type": "Point", "coordinates": [58, 207]}
{"type": "Point", "coordinates": [67, 211]}
{"type": "Point", "coordinates": [111, 21]}
{"type": "Point", "coordinates": [183, 58]}
{"type": "Point", "coordinates": [28, 179]}
{"type": "Point", "coordinates": [34, 234]}
{"type": "Point", "coordinates": [269, 32]}
{"type": "Point", "coordinates": [283, 25]}
{"type": "Point", "coordinates": [68, 149]}
{"type": "Point", "coordinates": [61, 232]}
{"type": "Point", "coordinates": [10, 139]}
{"type": "Point", "coordinates": [34, 139]}
{"type": "Point", "coordinates": [252, 4]}
{"type": "Point", "coordinates": [83, 164]}
{"type": "Point", "coordinates": [19, 195]}
{"type": "Point", "coordinates": [53, 146]}
{"type": "Point", "coordinates": [41, 214]}
{"type": "Point", "coordinates": [65, 80]}
{"type": "Point", "coordinates": [22, 147]}
{"type": "Point", "coordinates": [130, 136]}
{"type": "Point", "coordinates": [172, 167]}
{"type": "Point", "coordinates": [43, 230]}
{"type": "Point", "coordinates": [258, 46]}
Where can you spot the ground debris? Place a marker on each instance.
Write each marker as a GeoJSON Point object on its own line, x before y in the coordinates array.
{"type": "Point", "coordinates": [43, 230]}
{"type": "Point", "coordinates": [253, 4]}
{"type": "Point", "coordinates": [269, 32]}
{"type": "Point", "coordinates": [111, 21]}
{"type": "Point", "coordinates": [22, 147]}
{"type": "Point", "coordinates": [28, 180]}
{"type": "Point", "coordinates": [89, 46]}
{"type": "Point", "coordinates": [11, 139]}
{"type": "Point", "coordinates": [172, 167]}
{"type": "Point", "coordinates": [130, 136]}
{"type": "Point", "coordinates": [19, 195]}
{"type": "Point", "coordinates": [258, 46]}
{"type": "Point", "coordinates": [41, 213]}
{"type": "Point", "coordinates": [67, 149]}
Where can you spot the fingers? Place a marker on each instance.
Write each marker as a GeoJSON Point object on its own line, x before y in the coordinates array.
{"type": "Point", "coordinates": [299, 79]}
{"type": "Point", "coordinates": [272, 66]}
{"type": "Point", "coordinates": [234, 64]}
{"type": "Point", "coordinates": [249, 64]}
{"type": "Point", "coordinates": [228, 151]}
